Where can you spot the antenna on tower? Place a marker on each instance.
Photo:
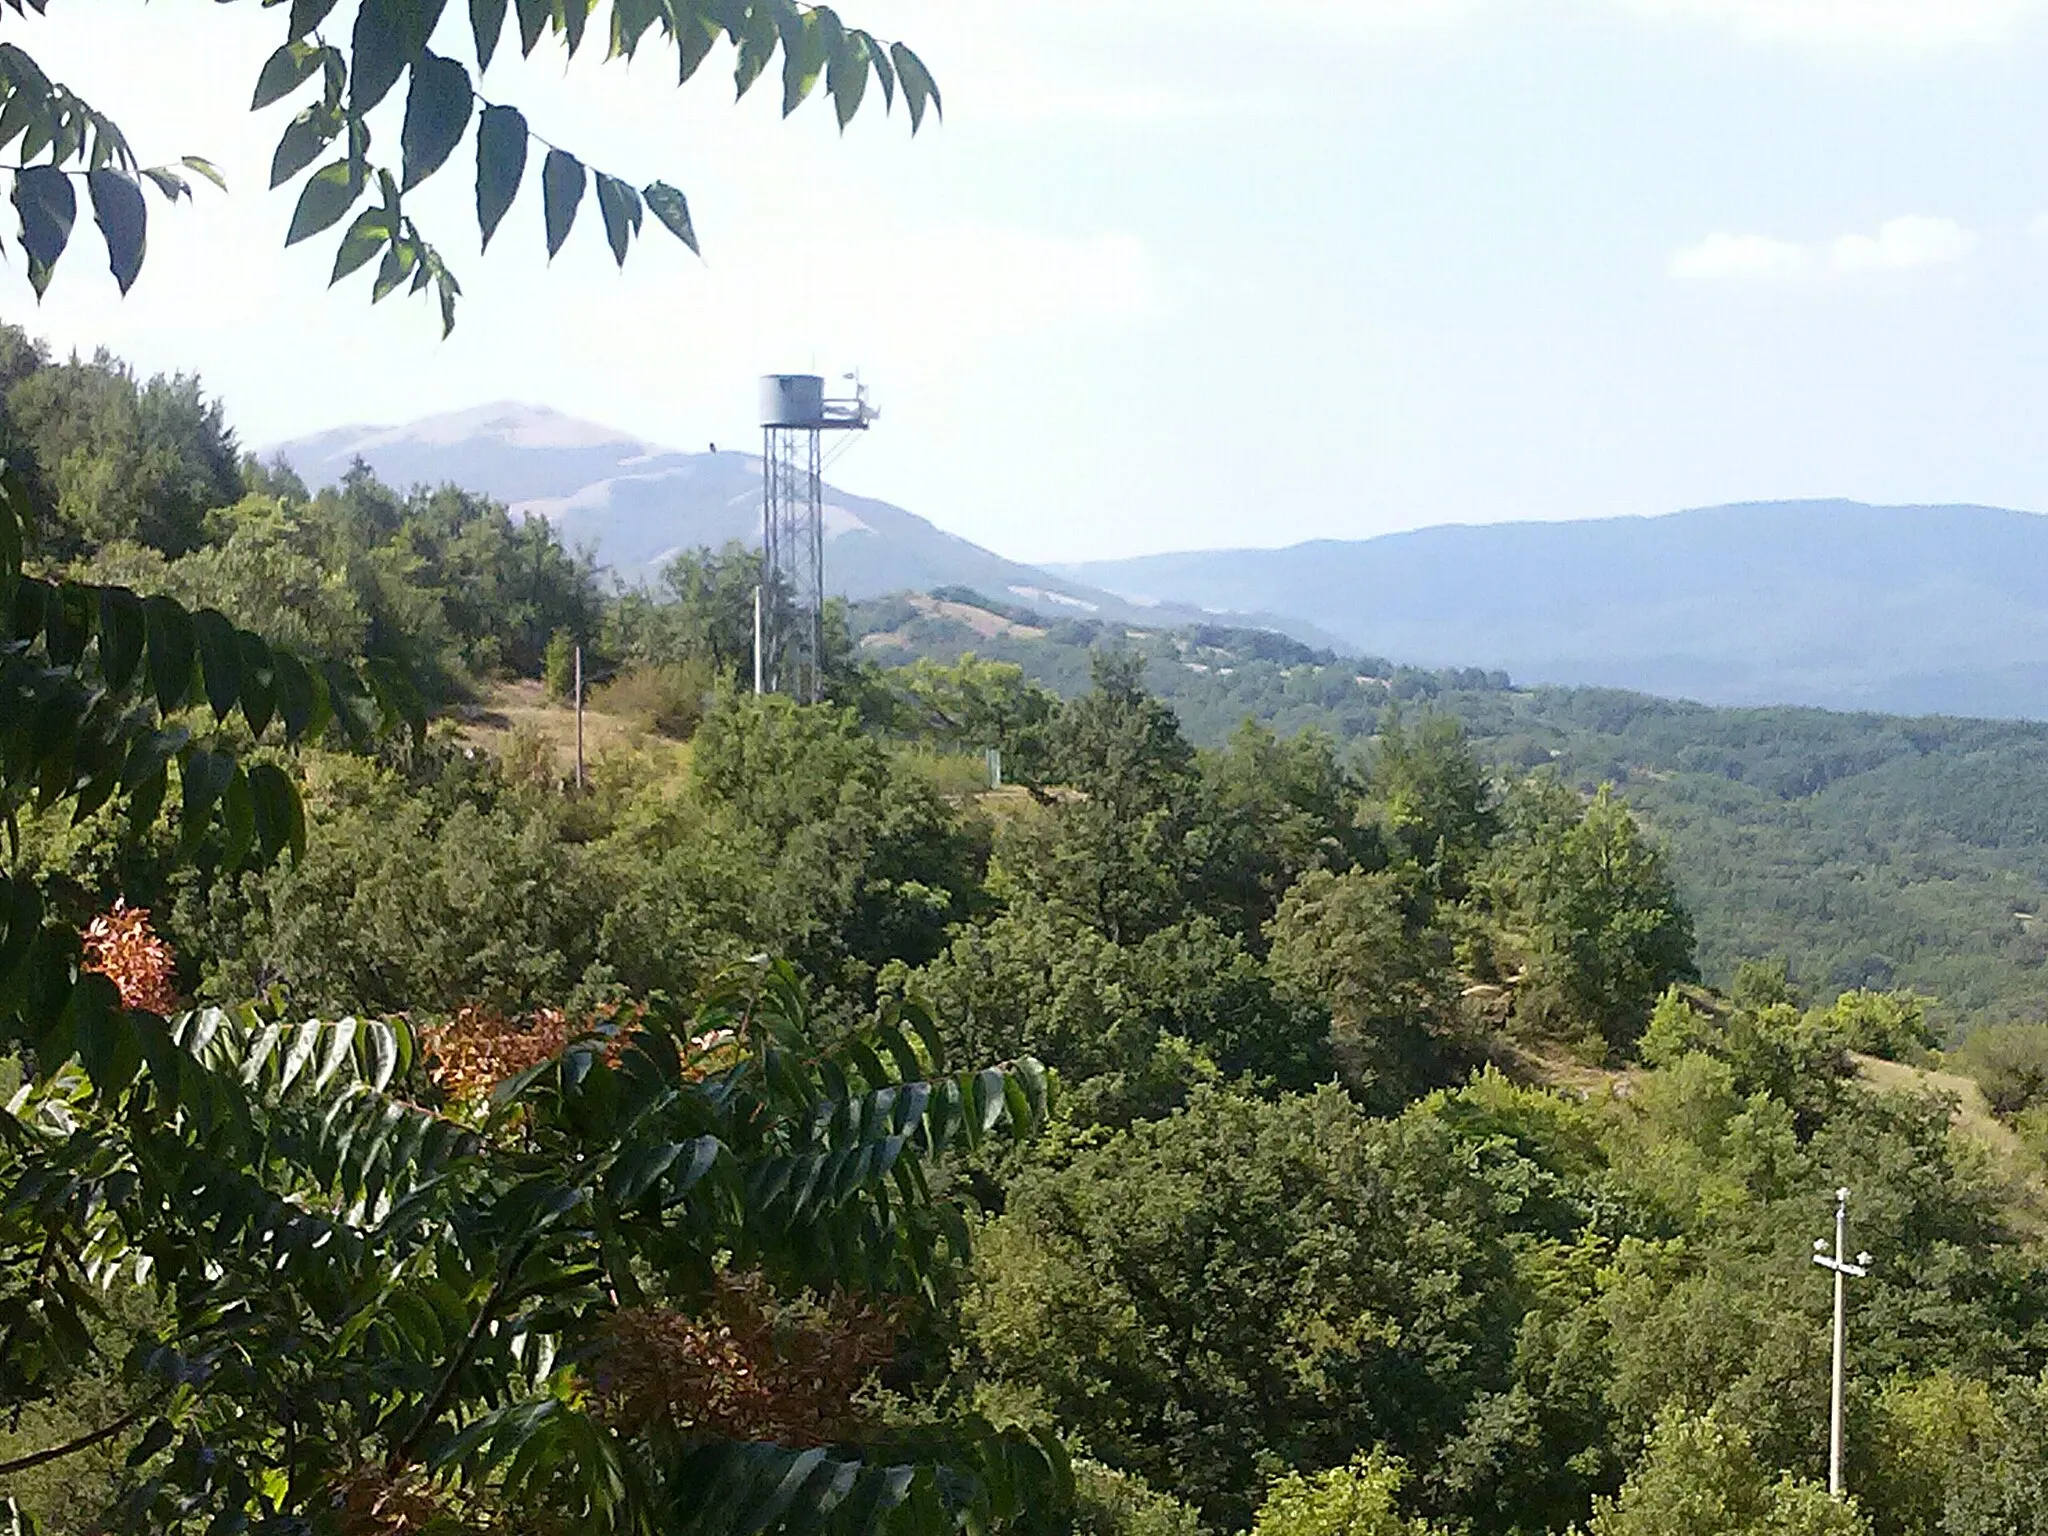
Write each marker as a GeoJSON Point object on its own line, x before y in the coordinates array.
{"type": "Point", "coordinates": [795, 414]}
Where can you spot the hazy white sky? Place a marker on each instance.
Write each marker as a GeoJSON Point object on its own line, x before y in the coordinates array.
{"type": "Point", "coordinates": [1186, 274]}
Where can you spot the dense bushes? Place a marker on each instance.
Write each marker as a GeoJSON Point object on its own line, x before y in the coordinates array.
{"type": "Point", "coordinates": [2010, 1063]}
{"type": "Point", "coordinates": [1245, 1287]}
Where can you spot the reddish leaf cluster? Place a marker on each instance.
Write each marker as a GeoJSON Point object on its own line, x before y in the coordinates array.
{"type": "Point", "coordinates": [477, 1049]}
{"type": "Point", "coordinates": [122, 946]}
{"type": "Point", "coordinates": [372, 1501]}
{"type": "Point", "coordinates": [752, 1367]}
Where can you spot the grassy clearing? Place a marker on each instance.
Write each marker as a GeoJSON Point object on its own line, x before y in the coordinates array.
{"type": "Point", "coordinates": [1973, 1115]}
{"type": "Point", "coordinates": [510, 712]}
{"type": "Point", "coordinates": [1975, 1123]}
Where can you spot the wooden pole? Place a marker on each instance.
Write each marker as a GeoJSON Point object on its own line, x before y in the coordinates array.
{"type": "Point", "coordinates": [579, 719]}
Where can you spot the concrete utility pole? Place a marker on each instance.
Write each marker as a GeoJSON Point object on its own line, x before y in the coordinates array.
{"type": "Point", "coordinates": [1844, 1270]}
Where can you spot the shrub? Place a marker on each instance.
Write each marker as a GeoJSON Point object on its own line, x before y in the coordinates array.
{"type": "Point", "coordinates": [1354, 1500]}
{"type": "Point", "coordinates": [1112, 1503]}
{"type": "Point", "coordinates": [1893, 1025]}
{"type": "Point", "coordinates": [2010, 1063]}
{"type": "Point", "coordinates": [1702, 1478]}
{"type": "Point", "coordinates": [667, 698]}
{"type": "Point", "coordinates": [558, 665]}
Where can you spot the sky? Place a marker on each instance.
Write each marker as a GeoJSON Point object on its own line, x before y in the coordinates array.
{"type": "Point", "coordinates": [1195, 275]}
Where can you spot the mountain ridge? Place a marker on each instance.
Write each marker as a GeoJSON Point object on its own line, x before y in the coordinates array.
{"type": "Point", "coordinates": [1846, 605]}
{"type": "Point", "coordinates": [636, 503]}
{"type": "Point", "coordinates": [1910, 609]}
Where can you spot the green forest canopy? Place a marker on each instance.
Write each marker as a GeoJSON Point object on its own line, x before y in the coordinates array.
{"type": "Point", "coordinates": [1391, 1171]}
{"type": "Point", "coordinates": [1864, 850]}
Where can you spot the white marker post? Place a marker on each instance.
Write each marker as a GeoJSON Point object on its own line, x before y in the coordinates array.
{"type": "Point", "coordinates": [1843, 1271]}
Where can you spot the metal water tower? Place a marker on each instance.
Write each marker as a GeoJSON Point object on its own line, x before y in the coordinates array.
{"type": "Point", "coordinates": [790, 626]}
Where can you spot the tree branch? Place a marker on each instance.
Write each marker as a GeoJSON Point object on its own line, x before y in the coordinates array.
{"type": "Point", "coordinates": [401, 1452]}
{"type": "Point", "coordinates": [127, 1420]}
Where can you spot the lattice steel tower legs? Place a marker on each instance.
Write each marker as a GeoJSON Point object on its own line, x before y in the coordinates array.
{"type": "Point", "coordinates": [790, 635]}
{"type": "Point", "coordinates": [793, 564]}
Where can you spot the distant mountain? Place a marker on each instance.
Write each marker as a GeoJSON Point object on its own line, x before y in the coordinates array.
{"type": "Point", "coordinates": [637, 503]}
{"type": "Point", "coordinates": [1912, 610]}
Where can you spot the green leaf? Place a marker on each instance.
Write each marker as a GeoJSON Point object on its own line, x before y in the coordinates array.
{"type": "Point", "coordinates": [533, 20]}
{"type": "Point", "coordinates": [635, 1173]}
{"type": "Point", "coordinates": [123, 218]}
{"type": "Point", "coordinates": [561, 185]}
{"type": "Point", "coordinates": [280, 816]}
{"type": "Point", "coordinates": [205, 168]}
{"type": "Point", "coordinates": [168, 182]}
{"type": "Point", "coordinates": [259, 698]}
{"type": "Point", "coordinates": [1018, 1103]}
{"type": "Point", "coordinates": [918, 85]}
{"type": "Point", "coordinates": [368, 235]}
{"type": "Point", "coordinates": [154, 1439]}
{"type": "Point", "coordinates": [574, 16]}
{"type": "Point", "coordinates": [301, 697]}
{"type": "Point", "coordinates": [500, 163]}
{"type": "Point", "coordinates": [487, 23]}
{"type": "Point", "coordinates": [67, 624]}
{"type": "Point", "coordinates": [694, 37]}
{"type": "Point", "coordinates": [446, 289]}
{"type": "Point", "coordinates": [15, 117]}
{"type": "Point", "coordinates": [172, 647]}
{"type": "Point", "coordinates": [437, 108]}
{"type": "Point", "coordinates": [669, 206]}
{"type": "Point", "coordinates": [757, 47]}
{"type": "Point", "coordinates": [238, 816]}
{"type": "Point", "coordinates": [330, 193]}
{"type": "Point", "coordinates": [803, 56]}
{"type": "Point", "coordinates": [846, 77]}
{"type": "Point", "coordinates": [990, 1097]}
{"type": "Point", "coordinates": [147, 756]}
{"type": "Point", "coordinates": [220, 660]}
{"type": "Point", "coordinates": [300, 145]}
{"type": "Point", "coordinates": [620, 205]}
{"type": "Point", "coordinates": [397, 265]}
{"type": "Point", "coordinates": [205, 776]}
{"type": "Point", "coordinates": [389, 35]}
{"type": "Point", "coordinates": [391, 685]}
{"type": "Point", "coordinates": [378, 1047]}
{"type": "Point", "coordinates": [284, 72]}
{"type": "Point", "coordinates": [122, 633]}
{"type": "Point", "coordinates": [308, 14]}
{"type": "Point", "coordinates": [878, 56]}
{"type": "Point", "coordinates": [48, 206]}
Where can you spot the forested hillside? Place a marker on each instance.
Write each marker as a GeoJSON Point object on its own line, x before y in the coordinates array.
{"type": "Point", "coordinates": [1863, 849]}
{"type": "Point", "coordinates": [1913, 609]}
{"type": "Point", "coordinates": [1222, 1127]}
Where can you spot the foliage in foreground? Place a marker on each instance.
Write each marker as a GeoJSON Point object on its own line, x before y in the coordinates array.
{"type": "Point", "coordinates": [371, 1303]}
{"type": "Point", "coordinates": [483, 1304]}
{"type": "Point", "coordinates": [66, 145]}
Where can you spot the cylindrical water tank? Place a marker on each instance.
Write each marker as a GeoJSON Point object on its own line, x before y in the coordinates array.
{"type": "Point", "coordinates": [792, 400]}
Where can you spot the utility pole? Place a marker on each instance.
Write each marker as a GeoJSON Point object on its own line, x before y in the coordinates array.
{"type": "Point", "coordinates": [1844, 1271]}
{"type": "Point", "coordinates": [579, 719]}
